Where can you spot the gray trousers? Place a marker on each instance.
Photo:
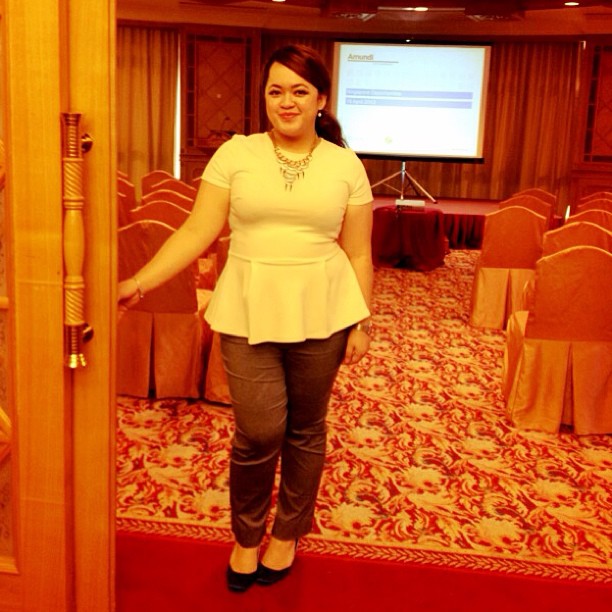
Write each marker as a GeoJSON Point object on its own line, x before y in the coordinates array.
{"type": "Point", "coordinates": [280, 393]}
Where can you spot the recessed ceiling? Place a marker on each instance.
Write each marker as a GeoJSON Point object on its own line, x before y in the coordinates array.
{"type": "Point", "coordinates": [394, 9]}
{"type": "Point", "coordinates": [464, 19]}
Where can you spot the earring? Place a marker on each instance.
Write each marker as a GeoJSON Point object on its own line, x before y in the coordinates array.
{"type": "Point", "coordinates": [320, 114]}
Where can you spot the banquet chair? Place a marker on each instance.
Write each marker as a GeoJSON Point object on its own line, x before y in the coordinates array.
{"type": "Point", "coordinates": [595, 195]}
{"type": "Point", "coordinates": [168, 195]}
{"type": "Point", "coordinates": [595, 203]}
{"type": "Point", "coordinates": [150, 179]}
{"type": "Point", "coordinates": [531, 202]}
{"type": "Point", "coordinates": [174, 216]}
{"type": "Point", "coordinates": [174, 184]}
{"type": "Point", "coordinates": [216, 388]}
{"type": "Point", "coordinates": [558, 356]}
{"type": "Point", "coordinates": [124, 208]}
{"type": "Point", "coordinates": [542, 194]}
{"type": "Point", "coordinates": [603, 218]}
{"type": "Point", "coordinates": [511, 245]}
{"type": "Point", "coordinates": [126, 199]}
{"type": "Point", "coordinates": [160, 210]}
{"type": "Point", "coordinates": [125, 186]}
{"type": "Point", "coordinates": [581, 233]}
{"type": "Point", "coordinates": [161, 339]}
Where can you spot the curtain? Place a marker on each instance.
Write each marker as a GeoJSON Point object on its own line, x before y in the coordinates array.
{"type": "Point", "coordinates": [534, 117]}
{"type": "Point", "coordinates": [528, 132]}
{"type": "Point", "coordinates": [147, 72]}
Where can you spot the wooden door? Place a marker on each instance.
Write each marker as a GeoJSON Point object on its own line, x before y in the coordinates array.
{"type": "Point", "coordinates": [57, 58]}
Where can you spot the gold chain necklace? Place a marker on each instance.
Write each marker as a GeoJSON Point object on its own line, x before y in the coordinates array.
{"type": "Point", "coordinates": [292, 169]}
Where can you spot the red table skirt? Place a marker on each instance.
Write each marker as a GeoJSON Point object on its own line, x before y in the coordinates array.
{"type": "Point", "coordinates": [408, 238]}
{"type": "Point", "coordinates": [401, 240]}
{"type": "Point", "coordinates": [464, 231]}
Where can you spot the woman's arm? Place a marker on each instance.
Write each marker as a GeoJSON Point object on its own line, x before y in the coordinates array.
{"type": "Point", "coordinates": [356, 240]}
{"type": "Point", "coordinates": [204, 224]}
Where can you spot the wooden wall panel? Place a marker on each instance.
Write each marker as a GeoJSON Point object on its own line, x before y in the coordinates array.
{"type": "Point", "coordinates": [598, 141]}
{"type": "Point", "coordinates": [220, 88]}
{"type": "Point", "coordinates": [593, 168]}
{"type": "Point", "coordinates": [33, 74]}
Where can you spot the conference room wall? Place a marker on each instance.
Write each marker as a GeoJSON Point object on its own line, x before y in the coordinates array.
{"type": "Point", "coordinates": [530, 139]}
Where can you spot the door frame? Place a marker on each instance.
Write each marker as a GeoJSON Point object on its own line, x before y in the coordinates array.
{"type": "Point", "coordinates": [59, 57]}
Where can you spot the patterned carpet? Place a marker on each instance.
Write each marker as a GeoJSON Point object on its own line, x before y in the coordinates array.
{"type": "Point", "coordinates": [423, 466]}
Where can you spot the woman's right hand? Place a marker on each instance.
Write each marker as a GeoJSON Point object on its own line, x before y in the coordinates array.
{"type": "Point", "coordinates": [128, 294]}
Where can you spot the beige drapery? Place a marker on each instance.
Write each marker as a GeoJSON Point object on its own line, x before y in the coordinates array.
{"type": "Point", "coordinates": [147, 72]}
{"type": "Point", "coordinates": [529, 130]}
{"type": "Point", "coordinates": [536, 99]}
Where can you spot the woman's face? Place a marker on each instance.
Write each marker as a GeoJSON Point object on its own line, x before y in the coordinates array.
{"type": "Point", "coordinates": [292, 103]}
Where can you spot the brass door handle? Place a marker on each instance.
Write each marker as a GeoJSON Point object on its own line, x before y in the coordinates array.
{"type": "Point", "coordinates": [76, 330]}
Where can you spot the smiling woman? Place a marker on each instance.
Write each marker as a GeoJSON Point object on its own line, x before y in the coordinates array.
{"type": "Point", "coordinates": [291, 305]}
{"type": "Point", "coordinates": [292, 105]}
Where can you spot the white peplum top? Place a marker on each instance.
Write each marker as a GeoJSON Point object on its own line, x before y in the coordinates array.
{"type": "Point", "coordinates": [286, 278]}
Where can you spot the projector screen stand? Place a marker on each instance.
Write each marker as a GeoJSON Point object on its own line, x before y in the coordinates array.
{"type": "Point", "coordinates": [406, 179]}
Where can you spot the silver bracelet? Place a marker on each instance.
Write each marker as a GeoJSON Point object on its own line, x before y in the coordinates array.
{"type": "Point", "coordinates": [140, 291]}
{"type": "Point", "coordinates": [364, 326]}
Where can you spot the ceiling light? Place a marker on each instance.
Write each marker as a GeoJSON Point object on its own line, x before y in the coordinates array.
{"type": "Point", "coordinates": [572, 3]}
{"type": "Point", "coordinates": [415, 9]}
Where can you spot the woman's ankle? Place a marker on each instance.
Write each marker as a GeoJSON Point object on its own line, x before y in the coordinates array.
{"type": "Point", "coordinates": [279, 553]}
{"type": "Point", "coordinates": [244, 559]}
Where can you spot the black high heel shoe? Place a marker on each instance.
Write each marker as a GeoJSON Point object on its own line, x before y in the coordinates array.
{"type": "Point", "coordinates": [239, 582]}
{"type": "Point", "coordinates": [267, 576]}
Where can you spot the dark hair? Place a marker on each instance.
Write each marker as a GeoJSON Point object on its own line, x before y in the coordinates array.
{"type": "Point", "coordinates": [306, 62]}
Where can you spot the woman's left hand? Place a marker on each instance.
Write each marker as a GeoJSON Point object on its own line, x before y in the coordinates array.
{"type": "Point", "coordinates": [357, 346]}
{"type": "Point", "coordinates": [128, 295]}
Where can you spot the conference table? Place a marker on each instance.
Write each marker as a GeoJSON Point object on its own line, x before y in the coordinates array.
{"type": "Point", "coordinates": [418, 238]}
{"type": "Point", "coordinates": [406, 237]}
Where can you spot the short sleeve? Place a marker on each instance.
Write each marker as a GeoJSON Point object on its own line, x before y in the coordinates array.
{"type": "Point", "coordinates": [219, 169]}
{"type": "Point", "coordinates": [361, 192]}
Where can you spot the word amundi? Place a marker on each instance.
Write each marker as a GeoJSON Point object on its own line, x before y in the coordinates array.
{"type": "Point", "coordinates": [353, 57]}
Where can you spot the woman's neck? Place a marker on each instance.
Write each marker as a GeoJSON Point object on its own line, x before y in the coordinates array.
{"type": "Point", "coordinates": [300, 144]}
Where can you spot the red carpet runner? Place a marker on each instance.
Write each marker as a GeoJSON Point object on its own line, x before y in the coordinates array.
{"type": "Point", "coordinates": [157, 574]}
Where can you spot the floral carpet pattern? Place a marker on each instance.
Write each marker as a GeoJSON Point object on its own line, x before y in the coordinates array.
{"type": "Point", "coordinates": [422, 466]}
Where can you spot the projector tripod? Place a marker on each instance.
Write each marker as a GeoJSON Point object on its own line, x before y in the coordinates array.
{"type": "Point", "coordinates": [406, 178]}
